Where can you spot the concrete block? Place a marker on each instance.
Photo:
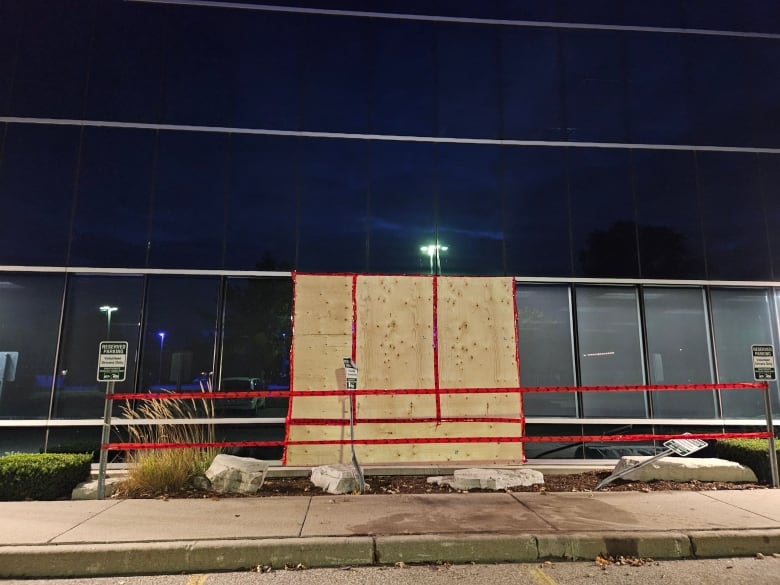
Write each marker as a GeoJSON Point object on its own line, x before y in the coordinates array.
{"type": "Point", "coordinates": [734, 543]}
{"type": "Point", "coordinates": [685, 469]}
{"type": "Point", "coordinates": [573, 546]}
{"type": "Point", "coordinates": [489, 479]}
{"type": "Point", "coordinates": [88, 490]}
{"type": "Point", "coordinates": [231, 474]}
{"type": "Point", "coordinates": [335, 479]}
{"type": "Point", "coordinates": [488, 548]}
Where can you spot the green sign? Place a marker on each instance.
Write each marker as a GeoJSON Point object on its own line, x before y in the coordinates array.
{"type": "Point", "coordinates": [763, 362]}
{"type": "Point", "coordinates": [112, 361]}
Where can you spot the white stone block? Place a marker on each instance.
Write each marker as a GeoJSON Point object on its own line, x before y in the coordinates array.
{"type": "Point", "coordinates": [489, 479]}
{"type": "Point", "coordinates": [685, 469]}
{"type": "Point", "coordinates": [232, 474]}
{"type": "Point", "coordinates": [88, 490]}
{"type": "Point", "coordinates": [335, 479]}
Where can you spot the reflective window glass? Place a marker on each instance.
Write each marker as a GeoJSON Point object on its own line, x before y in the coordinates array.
{"type": "Point", "coordinates": [36, 185]}
{"type": "Point", "coordinates": [741, 318]}
{"type": "Point", "coordinates": [404, 81]}
{"type": "Point", "coordinates": [678, 350]}
{"type": "Point", "coordinates": [22, 440]}
{"type": "Point", "coordinates": [714, 14]}
{"type": "Point", "coordinates": [592, 12]}
{"type": "Point", "coordinates": [656, 13]}
{"type": "Point", "coordinates": [256, 345]}
{"type": "Point", "coordinates": [602, 213]}
{"type": "Point", "coordinates": [188, 220]}
{"type": "Point", "coordinates": [770, 188]}
{"type": "Point", "coordinates": [77, 439]}
{"type": "Point", "coordinates": [467, 81]}
{"type": "Point", "coordinates": [537, 211]}
{"type": "Point", "coordinates": [10, 25]}
{"type": "Point", "coordinates": [113, 198]}
{"type": "Point", "coordinates": [127, 62]}
{"type": "Point", "coordinates": [336, 74]}
{"type": "Point", "coordinates": [333, 209]}
{"type": "Point", "coordinates": [262, 203]}
{"type": "Point", "coordinates": [595, 80]}
{"type": "Point", "coordinates": [737, 245]}
{"type": "Point", "coordinates": [53, 59]}
{"type": "Point", "coordinates": [610, 350]}
{"type": "Point", "coordinates": [530, 84]}
{"type": "Point", "coordinates": [30, 308]}
{"type": "Point", "coordinates": [178, 344]}
{"type": "Point", "coordinates": [402, 212]}
{"type": "Point", "coordinates": [670, 235]}
{"type": "Point", "coordinates": [99, 308]}
{"type": "Point", "coordinates": [657, 81]}
{"type": "Point", "coordinates": [763, 55]}
{"type": "Point", "coordinates": [470, 222]}
{"type": "Point", "coordinates": [546, 352]}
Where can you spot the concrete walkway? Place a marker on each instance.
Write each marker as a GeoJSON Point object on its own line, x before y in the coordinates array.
{"type": "Point", "coordinates": [122, 537]}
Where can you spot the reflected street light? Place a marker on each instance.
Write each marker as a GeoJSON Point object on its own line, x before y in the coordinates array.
{"type": "Point", "coordinates": [432, 250]}
{"type": "Point", "coordinates": [161, 335]}
{"type": "Point", "coordinates": [108, 310]}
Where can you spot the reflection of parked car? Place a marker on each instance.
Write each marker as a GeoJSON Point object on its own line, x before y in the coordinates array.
{"type": "Point", "coordinates": [240, 404]}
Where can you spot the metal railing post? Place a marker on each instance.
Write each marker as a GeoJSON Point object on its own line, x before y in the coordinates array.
{"type": "Point", "coordinates": [770, 427]}
{"type": "Point", "coordinates": [101, 490]}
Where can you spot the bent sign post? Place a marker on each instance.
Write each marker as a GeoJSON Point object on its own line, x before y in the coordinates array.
{"type": "Point", "coordinates": [112, 368]}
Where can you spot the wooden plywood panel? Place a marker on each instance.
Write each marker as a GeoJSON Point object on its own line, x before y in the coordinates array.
{"type": "Point", "coordinates": [395, 344]}
{"type": "Point", "coordinates": [323, 305]}
{"type": "Point", "coordinates": [417, 452]}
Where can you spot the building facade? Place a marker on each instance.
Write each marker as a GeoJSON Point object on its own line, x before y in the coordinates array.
{"type": "Point", "coordinates": [165, 166]}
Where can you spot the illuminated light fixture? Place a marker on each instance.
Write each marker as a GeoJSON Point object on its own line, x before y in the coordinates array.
{"type": "Point", "coordinates": [433, 251]}
{"type": "Point", "coordinates": [598, 354]}
{"type": "Point", "coordinates": [107, 309]}
{"type": "Point", "coordinates": [161, 335]}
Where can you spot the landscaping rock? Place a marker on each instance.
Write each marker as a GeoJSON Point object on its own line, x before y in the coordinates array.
{"type": "Point", "coordinates": [231, 474]}
{"type": "Point", "coordinates": [88, 490]}
{"type": "Point", "coordinates": [335, 479]}
{"type": "Point", "coordinates": [685, 469]}
{"type": "Point", "coordinates": [489, 479]}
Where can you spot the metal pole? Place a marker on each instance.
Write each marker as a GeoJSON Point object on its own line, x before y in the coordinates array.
{"type": "Point", "coordinates": [360, 476]}
{"type": "Point", "coordinates": [101, 491]}
{"type": "Point", "coordinates": [770, 427]}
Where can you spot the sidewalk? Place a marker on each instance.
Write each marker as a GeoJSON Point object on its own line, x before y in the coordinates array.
{"type": "Point", "coordinates": [119, 537]}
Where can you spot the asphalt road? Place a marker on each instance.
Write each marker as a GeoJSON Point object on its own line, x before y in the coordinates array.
{"type": "Point", "coordinates": [747, 571]}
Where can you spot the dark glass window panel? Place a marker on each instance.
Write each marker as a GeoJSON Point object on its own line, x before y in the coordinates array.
{"type": "Point", "coordinates": [22, 440]}
{"type": "Point", "coordinates": [337, 74]}
{"type": "Point", "coordinates": [254, 432]}
{"type": "Point", "coordinates": [714, 14]}
{"type": "Point", "coordinates": [610, 350]}
{"type": "Point", "coordinates": [36, 186]}
{"type": "Point", "coordinates": [200, 84]}
{"type": "Point", "coordinates": [537, 214]}
{"type": "Point", "coordinates": [267, 69]}
{"type": "Point", "coordinates": [544, 11]}
{"type": "Point", "coordinates": [678, 351]}
{"type": "Point", "coordinates": [188, 208]}
{"type": "Point", "coordinates": [595, 85]}
{"type": "Point", "coordinates": [467, 81]}
{"type": "Point", "coordinates": [333, 213]}
{"type": "Point", "coordinates": [99, 308]}
{"type": "Point", "coordinates": [179, 333]}
{"type": "Point", "coordinates": [592, 12]}
{"type": "Point", "coordinates": [670, 236]}
{"type": "Point", "coordinates": [256, 344]}
{"type": "Point", "coordinates": [530, 82]}
{"type": "Point", "coordinates": [52, 60]}
{"type": "Point", "coordinates": [720, 93]}
{"type": "Point", "coordinates": [602, 212]}
{"type": "Point", "coordinates": [125, 79]}
{"type": "Point", "coordinates": [404, 80]}
{"type": "Point", "coordinates": [737, 244]}
{"type": "Point", "coordinates": [470, 221]}
{"type": "Point", "coordinates": [11, 19]}
{"type": "Point", "coordinates": [763, 58]}
{"type": "Point", "coordinates": [553, 450]}
{"type": "Point", "coordinates": [30, 308]}
{"type": "Point", "coordinates": [741, 318]}
{"type": "Point", "coordinates": [113, 198]}
{"type": "Point", "coordinates": [403, 216]}
{"type": "Point", "coordinates": [546, 352]}
{"type": "Point", "coordinates": [77, 440]}
{"type": "Point", "coordinates": [770, 187]}
{"type": "Point", "coordinates": [657, 82]}
{"type": "Point", "coordinates": [262, 203]}
{"type": "Point", "coordinates": [761, 16]}
{"type": "Point", "coordinates": [656, 13]}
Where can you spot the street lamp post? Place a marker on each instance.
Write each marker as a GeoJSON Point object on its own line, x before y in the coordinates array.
{"type": "Point", "coordinates": [107, 309]}
{"type": "Point", "coordinates": [433, 250]}
{"type": "Point", "coordinates": [161, 335]}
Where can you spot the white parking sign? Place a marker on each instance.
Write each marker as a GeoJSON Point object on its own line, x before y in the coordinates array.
{"type": "Point", "coordinates": [112, 361]}
{"type": "Point", "coordinates": [763, 362]}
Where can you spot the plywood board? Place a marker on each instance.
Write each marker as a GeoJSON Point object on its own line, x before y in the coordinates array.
{"type": "Point", "coordinates": [395, 344]}
{"type": "Point", "coordinates": [323, 305]}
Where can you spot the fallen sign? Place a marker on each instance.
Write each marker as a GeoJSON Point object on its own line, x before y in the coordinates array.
{"type": "Point", "coordinates": [682, 447]}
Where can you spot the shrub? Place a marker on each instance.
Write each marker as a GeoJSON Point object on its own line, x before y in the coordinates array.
{"type": "Point", "coordinates": [753, 453]}
{"type": "Point", "coordinates": [154, 472]}
{"type": "Point", "coordinates": [42, 476]}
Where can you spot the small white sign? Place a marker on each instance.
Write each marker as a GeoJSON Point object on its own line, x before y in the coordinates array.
{"type": "Point", "coordinates": [685, 447]}
{"type": "Point", "coordinates": [763, 362]}
{"type": "Point", "coordinates": [112, 361]}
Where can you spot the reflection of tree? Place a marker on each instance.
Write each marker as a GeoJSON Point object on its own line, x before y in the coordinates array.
{"type": "Point", "coordinates": [613, 252]}
{"type": "Point", "coordinates": [257, 329]}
